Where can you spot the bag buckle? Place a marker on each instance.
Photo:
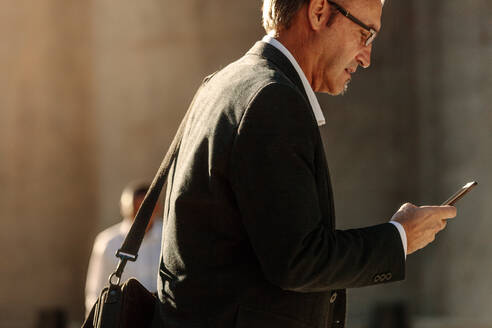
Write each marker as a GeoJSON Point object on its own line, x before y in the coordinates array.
{"type": "Point", "coordinates": [115, 277]}
{"type": "Point", "coordinates": [126, 256]}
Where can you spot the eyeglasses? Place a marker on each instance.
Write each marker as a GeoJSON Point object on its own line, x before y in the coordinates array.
{"type": "Point", "coordinates": [344, 12]}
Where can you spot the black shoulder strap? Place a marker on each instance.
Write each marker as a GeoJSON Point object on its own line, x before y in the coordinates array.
{"type": "Point", "coordinates": [133, 240]}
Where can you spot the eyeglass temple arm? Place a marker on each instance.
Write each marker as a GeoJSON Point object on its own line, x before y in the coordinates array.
{"type": "Point", "coordinates": [346, 13]}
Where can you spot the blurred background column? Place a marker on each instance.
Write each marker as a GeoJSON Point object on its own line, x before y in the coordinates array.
{"type": "Point", "coordinates": [454, 43]}
{"type": "Point", "coordinates": [48, 175]}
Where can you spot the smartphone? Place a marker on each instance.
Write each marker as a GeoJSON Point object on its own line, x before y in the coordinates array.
{"type": "Point", "coordinates": [460, 193]}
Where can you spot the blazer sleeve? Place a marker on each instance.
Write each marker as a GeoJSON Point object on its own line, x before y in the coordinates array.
{"type": "Point", "coordinates": [272, 176]}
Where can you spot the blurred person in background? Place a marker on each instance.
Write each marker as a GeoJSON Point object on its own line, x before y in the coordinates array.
{"type": "Point", "coordinates": [103, 261]}
{"type": "Point", "coordinates": [250, 237]}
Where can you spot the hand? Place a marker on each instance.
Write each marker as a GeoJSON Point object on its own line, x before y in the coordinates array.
{"type": "Point", "coordinates": [422, 223]}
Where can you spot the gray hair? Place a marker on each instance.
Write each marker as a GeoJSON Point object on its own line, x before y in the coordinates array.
{"type": "Point", "coordinates": [278, 14]}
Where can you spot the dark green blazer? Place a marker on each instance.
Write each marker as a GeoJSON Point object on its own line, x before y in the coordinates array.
{"type": "Point", "coordinates": [249, 235]}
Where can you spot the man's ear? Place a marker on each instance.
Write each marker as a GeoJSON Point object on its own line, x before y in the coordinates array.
{"type": "Point", "coordinates": [319, 12]}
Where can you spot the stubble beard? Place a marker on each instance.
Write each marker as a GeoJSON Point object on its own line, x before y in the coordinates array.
{"type": "Point", "coordinates": [345, 87]}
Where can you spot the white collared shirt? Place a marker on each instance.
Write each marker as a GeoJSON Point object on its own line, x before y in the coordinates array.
{"type": "Point", "coordinates": [318, 114]}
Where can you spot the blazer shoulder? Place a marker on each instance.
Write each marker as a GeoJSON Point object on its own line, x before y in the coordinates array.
{"type": "Point", "coordinates": [252, 72]}
{"type": "Point", "coordinates": [278, 106]}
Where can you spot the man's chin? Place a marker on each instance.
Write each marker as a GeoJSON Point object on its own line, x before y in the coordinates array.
{"type": "Point", "coordinates": [335, 91]}
{"type": "Point", "coordinates": [338, 92]}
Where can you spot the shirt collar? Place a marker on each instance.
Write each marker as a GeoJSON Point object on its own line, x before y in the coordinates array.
{"type": "Point", "coordinates": [313, 101]}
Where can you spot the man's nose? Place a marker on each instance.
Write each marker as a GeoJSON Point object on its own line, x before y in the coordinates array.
{"type": "Point", "coordinates": [364, 56]}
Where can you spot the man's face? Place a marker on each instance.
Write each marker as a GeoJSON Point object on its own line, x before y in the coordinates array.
{"type": "Point", "coordinates": [342, 45]}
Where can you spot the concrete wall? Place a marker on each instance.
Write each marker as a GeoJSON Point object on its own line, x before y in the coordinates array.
{"type": "Point", "coordinates": [455, 83]}
{"type": "Point", "coordinates": [48, 172]}
{"type": "Point", "coordinates": [92, 93]}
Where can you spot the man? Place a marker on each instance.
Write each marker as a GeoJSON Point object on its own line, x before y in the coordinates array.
{"type": "Point", "coordinates": [103, 261]}
{"type": "Point", "coordinates": [249, 219]}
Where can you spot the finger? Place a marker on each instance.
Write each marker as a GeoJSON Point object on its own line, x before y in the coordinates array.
{"type": "Point", "coordinates": [451, 211]}
{"type": "Point", "coordinates": [445, 212]}
{"type": "Point", "coordinates": [443, 225]}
